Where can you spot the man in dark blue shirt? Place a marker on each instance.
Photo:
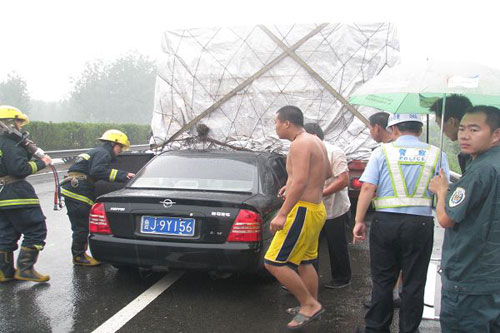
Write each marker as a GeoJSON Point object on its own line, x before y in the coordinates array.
{"type": "Point", "coordinates": [78, 188]}
{"type": "Point", "coordinates": [20, 211]}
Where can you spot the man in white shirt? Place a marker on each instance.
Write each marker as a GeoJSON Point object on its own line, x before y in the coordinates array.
{"type": "Point", "coordinates": [337, 204]}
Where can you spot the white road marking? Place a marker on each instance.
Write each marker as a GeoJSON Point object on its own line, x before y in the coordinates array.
{"type": "Point", "coordinates": [114, 323]}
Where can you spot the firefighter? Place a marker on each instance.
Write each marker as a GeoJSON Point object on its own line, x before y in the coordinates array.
{"type": "Point", "coordinates": [20, 211]}
{"type": "Point", "coordinates": [78, 188]}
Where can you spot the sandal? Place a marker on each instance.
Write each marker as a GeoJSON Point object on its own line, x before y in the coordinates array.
{"type": "Point", "coordinates": [303, 320]}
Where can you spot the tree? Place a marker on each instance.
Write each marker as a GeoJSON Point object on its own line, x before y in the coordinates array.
{"type": "Point", "coordinates": [14, 91]}
{"type": "Point", "coordinates": [120, 92]}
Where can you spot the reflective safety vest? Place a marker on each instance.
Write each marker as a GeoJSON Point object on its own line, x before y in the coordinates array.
{"type": "Point", "coordinates": [395, 157]}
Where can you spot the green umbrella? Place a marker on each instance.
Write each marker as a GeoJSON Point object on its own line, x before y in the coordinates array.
{"type": "Point", "coordinates": [412, 88]}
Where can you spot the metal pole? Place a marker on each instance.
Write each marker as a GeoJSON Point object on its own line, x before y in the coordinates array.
{"type": "Point", "coordinates": [442, 130]}
{"type": "Point", "coordinates": [428, 128]}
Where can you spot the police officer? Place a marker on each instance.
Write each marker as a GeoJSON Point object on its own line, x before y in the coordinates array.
{"type": "Point", "coordinates": [20, 212]}
{"type": "Point", "coordinates": [402, 229]}
{"type": "Point", "coordinates": [380, 134]}
{"type": "Point", "coordinates": [78, 188]}
{"type": "Point", "coordinates": [469, 210]}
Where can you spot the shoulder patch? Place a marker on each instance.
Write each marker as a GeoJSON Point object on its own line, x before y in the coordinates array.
{"type": "Point", "coordinates": [457, 197]}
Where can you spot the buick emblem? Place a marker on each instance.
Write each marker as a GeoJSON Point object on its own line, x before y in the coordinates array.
{"type": "Point", "coordinates": [167, 203]}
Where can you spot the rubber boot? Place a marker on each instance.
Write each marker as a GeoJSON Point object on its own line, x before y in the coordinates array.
{"type": "Point", "coordinates": [7, 270]}
{"type": "Point", "coordinates": [80, 258]}
{"type": "Point", "coordinates": [25, 262]}
{"type": "Point", "coordinates": [85, 260]}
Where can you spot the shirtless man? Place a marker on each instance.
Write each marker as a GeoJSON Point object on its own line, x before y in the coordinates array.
{"type": "Point", "coordinates": [298, 223]}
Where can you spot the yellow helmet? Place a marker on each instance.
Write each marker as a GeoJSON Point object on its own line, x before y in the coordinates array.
{"type": "Point", "coordinates": [117, 136]}
{"type": "Point", "coordinates": [10, 112]}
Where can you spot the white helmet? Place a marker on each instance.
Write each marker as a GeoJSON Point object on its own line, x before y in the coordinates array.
{"type": "Point", "coordinates": [403, 117]}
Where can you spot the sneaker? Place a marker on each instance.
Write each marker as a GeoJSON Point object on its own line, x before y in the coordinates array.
{"type": "Point", "coordinates": [337, 285]}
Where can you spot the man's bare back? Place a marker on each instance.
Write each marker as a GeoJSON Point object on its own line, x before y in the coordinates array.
{"type": "Point", "coordinates": [307, 162]}
{"type": "Point", "coordinates": [307, 167]}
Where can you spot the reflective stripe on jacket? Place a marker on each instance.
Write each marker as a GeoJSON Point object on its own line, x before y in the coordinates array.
{"type": "Point", "coordinates": [95, 165]}
{"type": "Point", "coordinates": [75, 196]}
{"type": "Point", "coordinates": [15, 162]}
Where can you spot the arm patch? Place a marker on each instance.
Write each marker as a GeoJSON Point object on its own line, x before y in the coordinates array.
{"type": "Point", "coordinates": [457, 197]}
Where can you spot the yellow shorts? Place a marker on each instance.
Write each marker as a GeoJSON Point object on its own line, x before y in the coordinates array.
{"type": "Point", "coordinates": [297, 242]}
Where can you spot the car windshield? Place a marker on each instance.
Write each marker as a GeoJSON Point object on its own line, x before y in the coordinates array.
{"type": "Point", "coordinates": [204, 173]}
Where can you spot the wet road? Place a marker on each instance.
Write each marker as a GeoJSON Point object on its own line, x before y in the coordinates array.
{"type": "Point", "coordinates": [80, 299]}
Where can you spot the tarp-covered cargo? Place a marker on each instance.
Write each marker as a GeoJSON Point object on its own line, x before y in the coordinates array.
{"type": "Point", "coordinates": [233, 80]}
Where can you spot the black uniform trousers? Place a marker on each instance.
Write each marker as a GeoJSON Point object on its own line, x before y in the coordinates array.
{"type": "Point", "coordinates": [335, 232]}
{"type": "Point", "coordinates": [398, 242]}
{"type": "Point", "coordinates": [27, 221]}
{"type": "Point", "coordinates": [78, 213]}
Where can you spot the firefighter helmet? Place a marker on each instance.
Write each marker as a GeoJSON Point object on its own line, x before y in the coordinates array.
{"type": "Point", "coordinates": [116, 136]}
{"type": "Point", "coordinates": [10, 112]}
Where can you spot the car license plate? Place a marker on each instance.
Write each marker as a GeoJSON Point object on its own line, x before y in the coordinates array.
{"type": "Point", "coordinates": [160, 225]}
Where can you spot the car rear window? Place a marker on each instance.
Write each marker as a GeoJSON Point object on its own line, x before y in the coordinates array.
{"type": "Point", "coordinates": [198, 173]}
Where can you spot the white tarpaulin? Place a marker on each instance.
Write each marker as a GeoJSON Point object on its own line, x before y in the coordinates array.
{"type": "Point", "coordinates": [237, 78]}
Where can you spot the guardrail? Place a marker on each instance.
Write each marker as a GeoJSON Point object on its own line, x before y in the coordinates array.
{"type": "Point", "coordinates": [69, 153]}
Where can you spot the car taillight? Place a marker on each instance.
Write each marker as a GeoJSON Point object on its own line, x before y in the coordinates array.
{"type": "Point", "coordinates": [356, 184]}
{"type": "Point", "coordinates": [98, 222]}
{"type": "Point", "coordinates": [246, 227]}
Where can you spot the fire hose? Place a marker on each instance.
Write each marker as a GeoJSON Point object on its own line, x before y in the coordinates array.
{"type": "Point", "coordinates": [58, 201]}
{"type": "Point", "coordinates": [32, 148]}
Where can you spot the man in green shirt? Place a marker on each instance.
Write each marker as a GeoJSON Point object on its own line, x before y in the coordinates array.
{"type": "Point", "coordinates": [470, 212]}
{"type": "Point", "coordinates": [455, 107]}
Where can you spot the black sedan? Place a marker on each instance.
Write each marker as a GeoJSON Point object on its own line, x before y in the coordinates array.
{"type": "Point", "coordinates": [194, 210]}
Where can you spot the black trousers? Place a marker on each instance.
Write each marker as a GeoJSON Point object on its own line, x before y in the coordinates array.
{"type": "Point", "coordinates": [398, 242]}
{"type": "Point", "coordinates": [78, 213]}
{"type": "Point", "coordinates": [27, 221]}
{"type": "Point", "coordinates": [335, 232]}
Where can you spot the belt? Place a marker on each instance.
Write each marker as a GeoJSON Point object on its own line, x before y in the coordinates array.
{"type": "Point", "coordinates": [74, 177]}
{"type": "Point", "coordinates": [5, 180]}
